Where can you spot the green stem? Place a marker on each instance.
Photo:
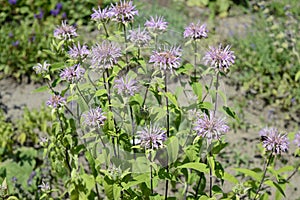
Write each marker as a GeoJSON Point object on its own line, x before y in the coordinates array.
{"type": "Point", "coordinates": [294, 172]}
{"type": "Point", "coordinates": [198, 185]}
{"type": "Point", "coordinates": [80, 93]}
{"type": "Point", "coordinates": [195, 60]}
{"type": "Point", "coordinates": [107, 87]}
{"type": "Point", "coordinates": [66, 149]}
{"type": "Point", "coordinates": [210, 178]}
{"type": "Point", "coordinates": [132, 129]}
{"type": "Point", "coordinates": [168, 131]}
{"type": "Point", "coordinates": [106, 32]}
{"type": "Point", "coordinates": [207, 92]}
{"type": "Point", "coordinates": [216, 100]}
{"type": "Point", "coordinates": [264, 175]}
{"type": "Point", "coordinates": [151, 173]}
{"type": "Point", "coordinates": [125, 39]}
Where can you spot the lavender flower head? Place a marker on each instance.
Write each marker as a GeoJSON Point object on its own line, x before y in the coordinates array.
{"type": "Point", "coordinates": [195, 31]}
{"type": "Point", "coordinates": [167, 58]}
{"type": "Point", "coordinates": [219, 58]}
{"type": "Point", "coordinates": [41, 68]}
{"type": "Point", "coordinates": [40, 15]}
{"type": "Point", "coordinates": [101, 14]}
{"type": "Point", "coordinates": [297, 139]}
{"type": "Point", "coordinates": [94, 117]}
{"type": "Point", "coordinates": [273, 140]}
{"type": "Point", "coordinates": [65, 31]}
{"type": "Point", "coordinates": [151, 137]}
{"type": "Point", "coordinates": [56, 101]}
{"type": "Point", "coordinates": [157, 24]}
{"type": "Point", "coordinates": [16, 43]}
{"type": "Point", "coordinates": [72, 74]}
{"type": "Point", "coordinates": [44, 186]}
{"type": "Point", "coordinates": [105, 55]}
{"type": "Point", "coordinates": [12, 2]}
{"type": "Point", "coordinates": [78, 52]}
{"type": "Point", "coordinates": [210, 127]}
{"type": "Point", "coordinates": [123, 11]}
{"type": "Point", "coordinates": [57, 9]}
{"type": "Point", "coordinates": [126, 86]}
{"type": "Point", "coordinates": [139, 37]}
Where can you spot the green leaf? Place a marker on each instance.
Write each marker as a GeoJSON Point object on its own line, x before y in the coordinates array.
{"type": "Point", "coordinates": [285, 169]}
{"type": "Point", "coordinates": [172, 98]}
{"type": "Point", "coordinates": [205, 105]}
{"type": "Point", "coordinates": [216, 189]}
{"type": "Point", "coordinates": [137, 180]}
{"type": "Point", "coordinates": [100, 92]}
{"type": "Point", "coordinates": [140, 165]}
{"type": "Point", "coordinates": [172, 149]}
{"type": "Point", "coordinates": [249, 172]}
{"type": "Point", "coordinates": [201, 167]}
{"type": "Point", "coordinates": [230, 178]}
{"type": "Point", "coordinates": [197, 88]}
{"type": "Point", "coordinates": [41, 89]}
{"type": "Point", "coordinates": [117, 191]}
{"type": "Point", "coordinates": [276, 186]}
{"type": "Point", "coordinates": [211, 162]}
{"type": "Point", "coordinates": [89, 181]}
{"type": "Point", "coordinates": [109, 190]}
{"type": "Point", "coordinates": [231, 113]}
{"type": "Point", "coordinates": [12, 198]}
{"type": "Point", "coordinates": [57, 66]}
{"type": "Point", "coordinates": [158, 113]}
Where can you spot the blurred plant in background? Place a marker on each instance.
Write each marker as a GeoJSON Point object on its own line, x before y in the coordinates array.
{"type": "Point", "coordinates": [268, 56]}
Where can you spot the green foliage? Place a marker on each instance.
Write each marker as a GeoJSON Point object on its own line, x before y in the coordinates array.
{"type": "Point", "coordinates": [21, 153]}
{"type": "Point", "coordinates": [122, 156]}
{"type": "Point", "coordinates": [268, 61]}
{"type": "Point", "coordinates": [23, 37]}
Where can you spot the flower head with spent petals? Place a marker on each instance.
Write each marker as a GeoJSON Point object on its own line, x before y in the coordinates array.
{"type": "Point", "coordinates": [219, 58]}
{"type": "Point", "coordinates": [210, 127]}
{"type": "Point", "coordinates": [297, 139]}
{"type": "Point", "coordinates": [195, 31]}
{"type": "Point", "coordinates": [157, 24]}
{"type": "Point", "coordinates": [123, 11]}
{"type": "Point", "coordinates": [41, 68]}
{"type": "Point", "coordinates": [72, 74]}
{"type": "Point", "coordinates": [56, 101]}
{"type": "Point", "coordinates": [126, 86]}
{"type": "Point", "coordinates": [105, 55]}
{"type": "Point", "coordinates": [273, 140]}
{"type": "Point", "coordinates": [139, 37]}
{"type": "Point", "coordinates": [101, 15]}
{"type": "Point", "coordinates": [151, 137]}
{"type": "Point", "coordinates": [44, 186]}
{"type": "Point", "coordinates": [94, 117]}
{"type": "Point", "coordinates": [78, 52]}
{"type": "Point", "coordinates": [167, 58]}
{"type": "Point", "coordinates": [65, 31]}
